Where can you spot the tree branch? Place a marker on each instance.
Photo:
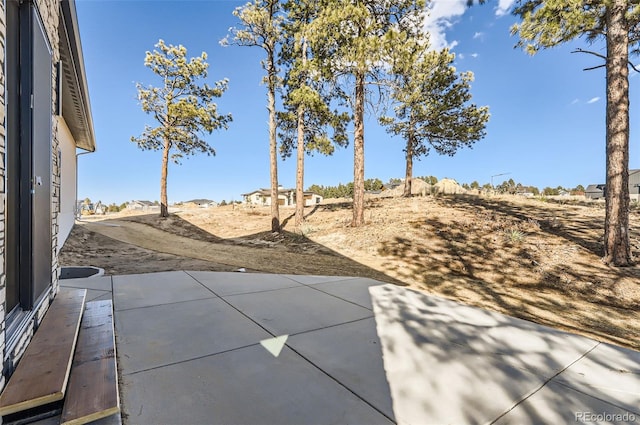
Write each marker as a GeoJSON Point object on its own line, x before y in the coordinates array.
{"type": "Point", "coordinates": [590, 52]}
{"type": "Point", "coordinates": [595, 67]}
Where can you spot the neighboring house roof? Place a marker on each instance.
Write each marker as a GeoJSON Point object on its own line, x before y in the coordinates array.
{"type": "Point", "coordinates": [267, 192]}
{"type": "Point", "coordinates": [146, 203]}
{"type": "Point", "coordinates": [76, 108]}
{"type": "Point", "coordinates": [199, 201]}
{"type": "Point", "coordinates": [259, 191]}
{"type": "Point", "coordinates": [392, 185]}
{"type": "Point", "coordinates": [594, 188]}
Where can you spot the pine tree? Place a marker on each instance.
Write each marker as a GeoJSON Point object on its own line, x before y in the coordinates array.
{"type": "Point", "coordinates": [431, 105]}
{"type": "Point", "coordinates": [307, 118]}
{"type": "Point", "coordinates": [262, 27]}
{"type": "Point", "coordinates": [183, 107]}
{"type": "Point", "coordinates": [548, 23]}
{"type": "Point", "coordinates": [352, 41]}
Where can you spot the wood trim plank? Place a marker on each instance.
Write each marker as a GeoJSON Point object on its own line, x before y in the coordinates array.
{"type": "Point", "coordinates": [42, 374]}
{"type": "Point", "coordinates": [93, 384]}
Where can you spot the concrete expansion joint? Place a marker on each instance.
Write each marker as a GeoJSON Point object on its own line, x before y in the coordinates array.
{"type": "Point", "coordinates": [544, 384]}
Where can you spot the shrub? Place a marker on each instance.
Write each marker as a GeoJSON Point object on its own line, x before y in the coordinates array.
{"type": "Point", "coordinates": [514, 235]}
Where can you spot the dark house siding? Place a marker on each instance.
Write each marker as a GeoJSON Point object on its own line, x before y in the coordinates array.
{"type": "Point", "coordinates": [634, 184]}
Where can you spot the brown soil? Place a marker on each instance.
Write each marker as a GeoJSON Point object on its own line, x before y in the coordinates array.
{"type": "Point", "coordinates": [531, 259]}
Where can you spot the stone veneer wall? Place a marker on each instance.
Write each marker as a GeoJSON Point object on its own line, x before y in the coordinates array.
{"type": "Point", "coordinates": [3, 278]}
{"type": "Point", "coordinates": [50, 13]}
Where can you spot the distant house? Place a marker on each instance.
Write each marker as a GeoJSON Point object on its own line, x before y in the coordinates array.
{"type": "Point", "coordinates": [634, 185]}
{"type": "Point", "coordinates": [202, 203]}
{"type": "Point", "coordinates": [286, 197]}
{"type": "Point", "coordinates": [594, 191]}
{"type": "Point", "coordinates": [141, 205]}
{"type": "Point", "coordinates": [391, 186]}
{"type": "Point", "coordinates": [597, 191]}
{"type": "Point", "coordinates": [526, 194]}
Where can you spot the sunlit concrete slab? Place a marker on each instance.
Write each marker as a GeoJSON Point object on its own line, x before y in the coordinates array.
{"type": "Point", "coordinates": [142, 290]}
{"type": "Point", "coordinates": [245, 386]}
{"type": "Point", "coordinates": [449, 363]}
{"type": "Point", "coordinates": [230, 283]}
{"type": "Point", "coordinates": [102, 283]}
{"type": "Point", "coordinates": [159, 335]}
{"type": "Point", "coordinates": [293, 310]}
{"type": "Point", "coordinates": [444, 384]}
{"type": "Point", "coordinates": [557, 404]}
{"type": "Point", "coordinates": [191, 350]}
{"type": "Point", "coordinates": [351, 354]}
{"type": "Point", "coordinates": [352, 290]}
{"type": "Point", "coordinates": [312, 280]}
{"type": "Point", "coordinates": [609, 373]}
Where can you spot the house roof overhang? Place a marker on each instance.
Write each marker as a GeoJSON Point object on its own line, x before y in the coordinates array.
{"type": "Point", "coordinates": [76, 108]}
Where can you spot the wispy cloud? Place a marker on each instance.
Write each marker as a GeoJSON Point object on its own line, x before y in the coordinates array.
{"type": "Point", "coordinates": [504, 7]}
{"type": "Point", "coordinates": [460, 55]}
{"type": "Point", "coordinates": [441, 15]}
{"type": "Point", "coordinates": [474, 55]}
{"type": "Point", "coordinates": [574, 101]}
{"type": "Point", "coordinates": [593, 99]}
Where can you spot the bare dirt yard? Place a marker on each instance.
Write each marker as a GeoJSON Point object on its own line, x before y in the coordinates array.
{"type": "Point", "coordinates": [536, 260]}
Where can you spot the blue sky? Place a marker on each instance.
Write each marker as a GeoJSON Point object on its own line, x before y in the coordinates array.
{"type": "Point", "coordinates": [547, 125]}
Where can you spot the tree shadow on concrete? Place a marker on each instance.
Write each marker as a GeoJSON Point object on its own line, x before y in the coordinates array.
{"type": "Point", "coordinates": [450, 363]}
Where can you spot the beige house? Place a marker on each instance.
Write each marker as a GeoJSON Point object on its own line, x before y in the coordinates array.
{"type": "Point", "coordinates": [42, 125]}
{"type": "Point", "coordinates": [286, 197]}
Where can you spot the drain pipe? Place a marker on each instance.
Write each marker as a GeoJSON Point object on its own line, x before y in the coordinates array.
{"type": "Point", "coordinates": [76, 207]}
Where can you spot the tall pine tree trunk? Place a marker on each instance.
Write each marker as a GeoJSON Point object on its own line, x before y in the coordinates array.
{"type": "Point", "coordinates": [273, 144]}
{"type": "Point", "coordinates": [300, 170]}
{"type": "Point", "coordinates": [358, 152]}
{"type": "Point", "coordinates": [299, 219]}
{"type": "Point", "coordinates": [408, 175]}
{"type": "Point", "coordinates": [616, 231]}
{"type": "Point", "coordinates": [164, 208]}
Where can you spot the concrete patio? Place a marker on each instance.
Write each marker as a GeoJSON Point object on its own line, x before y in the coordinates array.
{"type": "Point", "coordinates": [241, 348]}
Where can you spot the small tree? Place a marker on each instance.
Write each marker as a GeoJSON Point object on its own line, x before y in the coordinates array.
{"type": "Point", "coordinates": [183, 107]}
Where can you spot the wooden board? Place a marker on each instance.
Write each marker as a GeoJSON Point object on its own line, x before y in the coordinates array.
{"type": "Point", "coordinates": [93, 385]}
{"type": "Point", "coordinates": [42, 374]}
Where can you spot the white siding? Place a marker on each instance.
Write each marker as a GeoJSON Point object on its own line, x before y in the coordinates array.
{"type": "Point", "coordinates": [67, 181]}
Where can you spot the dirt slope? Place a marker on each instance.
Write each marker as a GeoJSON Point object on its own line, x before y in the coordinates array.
{"type": "Point", "coordinates": [531, 259]}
